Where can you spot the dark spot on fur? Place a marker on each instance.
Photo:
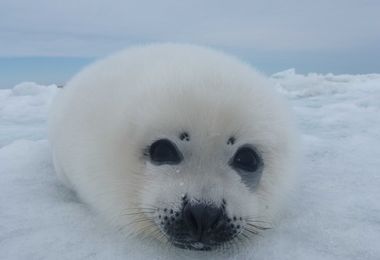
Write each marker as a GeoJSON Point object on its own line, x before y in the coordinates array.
{"type": "Point", "coordinates": [231, 140]}
{"type": "Point", "coordinates": [184, 136]}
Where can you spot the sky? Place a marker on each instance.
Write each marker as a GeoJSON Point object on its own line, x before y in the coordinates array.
{"type": "Point", "coordinates": [48, 41]}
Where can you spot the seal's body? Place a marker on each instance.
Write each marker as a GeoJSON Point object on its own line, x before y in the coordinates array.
{"type": "Point", "coordinates": [182, 139]}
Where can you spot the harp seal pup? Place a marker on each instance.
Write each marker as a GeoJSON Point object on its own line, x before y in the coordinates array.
{"type": "Point", "coordinates": [175, 142]}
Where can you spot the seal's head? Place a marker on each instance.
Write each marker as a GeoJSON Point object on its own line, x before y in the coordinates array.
{"type": "Point", "coordinates": [176, 142]}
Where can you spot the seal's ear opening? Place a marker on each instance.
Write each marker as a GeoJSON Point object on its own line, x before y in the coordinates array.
{"type": "Point", "coordinates": [164, 151]}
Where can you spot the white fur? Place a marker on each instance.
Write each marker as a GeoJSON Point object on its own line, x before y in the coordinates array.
{"type": "Point", "coordinates": [110, 112]}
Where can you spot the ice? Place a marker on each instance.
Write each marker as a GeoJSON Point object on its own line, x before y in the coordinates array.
{"type": "Point", "coordinates": [333, 214]}
{"type": "Point", "coordinates": [29, 89]}
{"type": "Point", "coordinates": [23, 111]}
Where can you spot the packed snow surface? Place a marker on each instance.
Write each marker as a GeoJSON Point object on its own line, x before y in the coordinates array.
{"type": "Point", "coordinates": [334, 213]}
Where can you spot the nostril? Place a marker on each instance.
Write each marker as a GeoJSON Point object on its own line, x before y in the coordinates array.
{"type": "Point", "coordinates": [214, 222]}
{"type": "Point", "coordinates": [200, 218]}
{"type": "Point", "coordinates": [192, 222]}
{"type": "Point", "coordinates": [190, 218]}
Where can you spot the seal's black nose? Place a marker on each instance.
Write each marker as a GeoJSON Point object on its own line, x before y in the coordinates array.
{"type": "Point", "coordinates": [201, 219]}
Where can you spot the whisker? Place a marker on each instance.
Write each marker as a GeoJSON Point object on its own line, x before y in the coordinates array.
{"type": "Point", "coordinates": [244, 235]}
{"type": "Point", "coordinates": [258, 227]}
{"type": "Point", "coordinates": [251, 231]}
{"type": "Point", "coordinates": [257, 221]}
{"type": "Point", "coordinates": [140, 208]}
{"type": "Point", "coordinates": [137, 213]}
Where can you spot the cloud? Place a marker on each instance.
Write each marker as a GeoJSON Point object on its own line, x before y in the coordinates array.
{"type": "Point", "coordinates": [97, 27]}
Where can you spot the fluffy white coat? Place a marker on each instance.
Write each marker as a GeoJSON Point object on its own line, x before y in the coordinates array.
{"type": "Point", "coordinates": [107, 115]}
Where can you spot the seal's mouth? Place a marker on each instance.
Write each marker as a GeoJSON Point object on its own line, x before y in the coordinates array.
{"type": "Point", "coordinates": [199, 226]}
{"type": "Point", "coordinates": [195, 246]}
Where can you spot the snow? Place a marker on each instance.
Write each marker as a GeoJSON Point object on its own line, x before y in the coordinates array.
{"type": "Point", "coordinates": [334, 213]}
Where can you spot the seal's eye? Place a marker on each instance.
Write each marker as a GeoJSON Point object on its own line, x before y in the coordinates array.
{"type": "Point", "coordinates": [164, 151]}
{"type": "Point", "coordinates": [246, 159]}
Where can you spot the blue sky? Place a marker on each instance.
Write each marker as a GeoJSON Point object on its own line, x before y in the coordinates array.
{"type": "Point", "coordinates": [48, 41]}
{"type": "Point", "coordinates": [44, 70]}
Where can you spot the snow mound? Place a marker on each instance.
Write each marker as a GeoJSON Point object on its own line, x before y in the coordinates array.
{"type": "Point", "coordinates": [313, 84]}
{"type": "Point", "coordinates": [334, 214]}
{"type": "Point", "coordinates": [30, 89]}
{"type": "Point", "coordinates": [23, 111]}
